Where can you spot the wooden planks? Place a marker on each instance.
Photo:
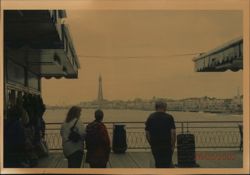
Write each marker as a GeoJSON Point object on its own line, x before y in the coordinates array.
{"type": "Point", "coordinates": [230, 159]}
{"type": "Point", "coordinates": [52, 161]}
{"type": "Point", "coordinates": [121, 161]}
{"type": "Point", "coordinates": [141, 159]}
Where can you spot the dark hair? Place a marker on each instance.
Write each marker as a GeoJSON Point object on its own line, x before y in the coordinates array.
{"type": "Point", "coordinates": [74, 112]}
{"type": "Point", "coordinates": [160, 105]}
{"type": "Point", "coordinates": [99, 115]}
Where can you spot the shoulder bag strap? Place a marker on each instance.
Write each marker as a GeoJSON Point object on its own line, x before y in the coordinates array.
{"type": "Point", "coordinates": [74, 125]}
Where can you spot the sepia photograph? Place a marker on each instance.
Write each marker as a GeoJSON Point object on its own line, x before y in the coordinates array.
{"type": "Point", "coordinates": [90, 89]}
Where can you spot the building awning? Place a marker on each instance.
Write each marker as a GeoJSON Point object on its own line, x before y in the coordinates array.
{"type": "Point", "coordinates": [229, 56]}
{"type": "Point", "coordinates": [41, 41]}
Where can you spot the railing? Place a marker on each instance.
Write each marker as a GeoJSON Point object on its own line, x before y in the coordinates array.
{"type": "Point", "coordinates": [208, 134]}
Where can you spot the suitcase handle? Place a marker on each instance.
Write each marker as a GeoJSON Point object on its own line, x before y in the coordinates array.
{"type": "Point", "coordinates": [182, 127]}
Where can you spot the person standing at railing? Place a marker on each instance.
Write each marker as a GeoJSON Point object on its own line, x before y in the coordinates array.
{"type": "Point", "coordinates": [97, 142]}
{"type": "Point", "coordinates": [161, 135]}
{"type": "Point", "coordinates": [73, 147]}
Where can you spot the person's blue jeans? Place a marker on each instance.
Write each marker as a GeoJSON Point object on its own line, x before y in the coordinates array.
{"type": "Point", "coordinates": [75, 159]}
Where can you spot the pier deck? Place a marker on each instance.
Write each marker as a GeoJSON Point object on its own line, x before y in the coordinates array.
{"type": "Point", "coordinates": [144, 159]}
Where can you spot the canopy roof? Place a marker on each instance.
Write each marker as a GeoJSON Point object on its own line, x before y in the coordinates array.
{"type": "Point", "coordinates": [227, 56]}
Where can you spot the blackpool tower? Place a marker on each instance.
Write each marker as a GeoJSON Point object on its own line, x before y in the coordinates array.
{"type": "Point", "coordinates": [100, 95]}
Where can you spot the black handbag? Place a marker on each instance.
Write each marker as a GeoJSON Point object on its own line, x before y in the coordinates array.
{"type": "Point", "coordinates": [74, 136]}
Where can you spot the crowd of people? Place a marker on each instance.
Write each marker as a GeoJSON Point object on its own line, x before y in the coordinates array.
{"type": "Point", "coordinates": [95, 137]}
{"type": "Point", "coordinates": [24, 135]}
{"type": "Point", "coordinates": [24, 130]}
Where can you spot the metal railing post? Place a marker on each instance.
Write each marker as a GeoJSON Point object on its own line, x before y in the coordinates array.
{"type": "Point", "coordinates": [182, 127]}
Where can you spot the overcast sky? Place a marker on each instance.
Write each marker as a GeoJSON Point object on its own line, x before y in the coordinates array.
{"type": "Point", "coordinates": [105, 41]}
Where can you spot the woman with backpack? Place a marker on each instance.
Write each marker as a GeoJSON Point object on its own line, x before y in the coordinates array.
{"type": "Point", "coordinates": [97, 142]}
{"type": "Point", "coordinates": [73, 133]}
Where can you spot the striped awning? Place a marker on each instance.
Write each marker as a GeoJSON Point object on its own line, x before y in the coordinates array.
{"type": "Point", "coordinates": [229, 56]}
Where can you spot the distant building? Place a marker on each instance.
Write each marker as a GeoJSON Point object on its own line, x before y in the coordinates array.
{"type": "Point", "coordinates": [191, 104]}
{"type": "Point", "coordinates": [175, 105]}
{"type": "Point", "coordinates": [237, 104]}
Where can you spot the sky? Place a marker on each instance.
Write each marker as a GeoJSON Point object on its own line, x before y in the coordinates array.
{"type": "Point", "coordinates": [135, 52]}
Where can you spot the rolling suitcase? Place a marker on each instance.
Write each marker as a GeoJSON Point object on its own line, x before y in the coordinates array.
{"type": "Point", "coordinates": [186, 150]}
